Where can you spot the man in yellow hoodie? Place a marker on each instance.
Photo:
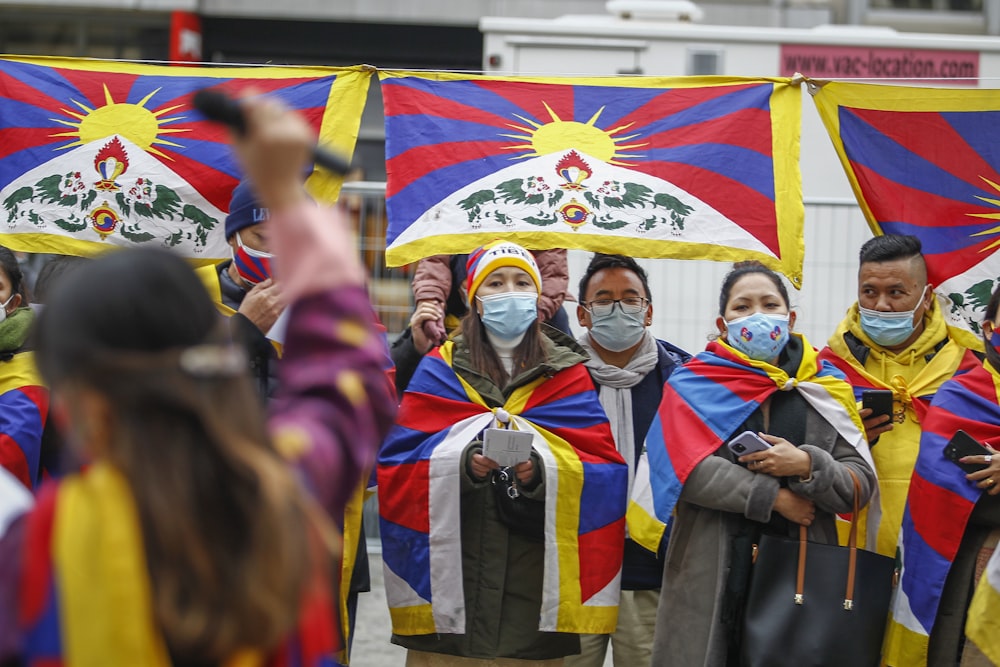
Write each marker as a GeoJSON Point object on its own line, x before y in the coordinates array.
{"type": "Point", "coordinates": [895, 337]}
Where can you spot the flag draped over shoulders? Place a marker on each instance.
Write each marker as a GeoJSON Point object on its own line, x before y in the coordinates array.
{"type": "Point", "coordinates": [708, 398]}
{"type": "Point", "coordinates": [938, 507]}
{"type": "Point", "coordinates": [419, 482]}
{"type": "Point", "coordinates": [687, 167]}
{"type": "Point", "coordinates": [102, 154]}
{"type": "Point", "coordinates": [86, 597]}
{"type": "Point", "coordinates": [922, 161]}
{"type": "Point", "coordinates": [983, 621]}
{"type": "Point", "coordinates": [24, 409]}
{"type": "Point", "coordinates": [948, 360]}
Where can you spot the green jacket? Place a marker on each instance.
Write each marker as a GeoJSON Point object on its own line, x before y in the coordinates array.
{"type": "Point", "coordinates": [501, 571]}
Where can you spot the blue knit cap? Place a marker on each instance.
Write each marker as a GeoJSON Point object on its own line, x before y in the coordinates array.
{"type": "Point", "coordinates": [244, 210]}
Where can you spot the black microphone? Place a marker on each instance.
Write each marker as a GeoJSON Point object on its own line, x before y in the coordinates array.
{"type": "Point", "coordinates": [221, 108]}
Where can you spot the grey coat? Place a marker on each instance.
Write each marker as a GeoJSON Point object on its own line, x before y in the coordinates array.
{"type": "Point", "coordinates": [718, 498]}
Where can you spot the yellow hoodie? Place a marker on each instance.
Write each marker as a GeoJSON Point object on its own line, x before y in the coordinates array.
{"type": "Point", "coordinates": [913, 374]}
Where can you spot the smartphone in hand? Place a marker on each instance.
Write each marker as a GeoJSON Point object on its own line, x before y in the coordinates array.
{"type": "Point", "coordinates": [748, 442]}
{"type": "Point", "coordinates": [879, 400]}
{"type": "Point", "coordinates": [963, 444]}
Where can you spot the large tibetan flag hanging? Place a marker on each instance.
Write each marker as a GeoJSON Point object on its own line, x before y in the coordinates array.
{"type": "Point", "coordinates": [926, 162]}
{"type": "Point", "coordinates": [102, 154]}
{"type": "Point", "coordinates": [693, 168]}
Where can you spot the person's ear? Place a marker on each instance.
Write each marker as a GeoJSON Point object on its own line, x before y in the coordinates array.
{"type": "Point", "coordinates": [15, 301]}
{"type": "Point", "coordinates": [649, 315]}
{"type": "Point", "coordinates": [987, 328]}
{"type": "Point", "coordinates": [929, 296]}
{"type": "Point", "coordinates": [791, 320]}
{"type": "Point", "coordinates": [720, 324]}
{"type": "Point", "coordinates": [582, 317]}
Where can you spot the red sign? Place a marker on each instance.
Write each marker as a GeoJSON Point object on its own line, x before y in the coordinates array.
{"type": "Point", "coordinates": [185, 37]}
{"type": "Point", "coordinates": [852, 62]}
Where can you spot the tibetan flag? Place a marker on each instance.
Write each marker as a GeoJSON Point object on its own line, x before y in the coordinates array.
{"type": "Point", "coordinates": [924, 161]}
{"type": "Point", "coordinates": [691, 168]}
{"type": "Point", "coordinates": [102, 154]}
{"type": "Point", "coordinates": [706, 400]}
{"type": "Point", "coordinates": [938, 507]}
{"type": "Point", "coordinates": [983, 622]}
{"type": "Point", "coordinates": [420, 484]}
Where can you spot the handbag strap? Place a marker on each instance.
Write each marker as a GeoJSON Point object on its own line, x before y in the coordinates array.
{"type": "Point", "coordinates": [852, 559]}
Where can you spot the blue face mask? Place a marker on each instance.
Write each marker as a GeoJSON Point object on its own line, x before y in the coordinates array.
{"type": "Point", "coordinates": [889, 329]}
{"type": "Point", "coordinates": [617, 331]}
{"type": "Point", "coordinates": [760, 336]}
{"type": "Point", "coordinates": [508, 315]}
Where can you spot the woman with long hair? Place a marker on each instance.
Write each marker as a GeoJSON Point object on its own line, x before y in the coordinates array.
{"type": "Point", "coordinates": [952, 521]}
{"type": "Point", "coordinates": [499, 562]}
{"type": "Point", "coordinates": [190, 538]}
{"type": "Point", "coordinates": [758, 376]}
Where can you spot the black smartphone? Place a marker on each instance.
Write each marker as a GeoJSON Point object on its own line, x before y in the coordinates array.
{"type": "Point", "coordinates": [879, 400]}
{"type": "Point", "coordinates": [963, 444]}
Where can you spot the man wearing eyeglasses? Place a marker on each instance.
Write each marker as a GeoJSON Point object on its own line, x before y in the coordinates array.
{"type": "Point", "coordinates": [629, 366]}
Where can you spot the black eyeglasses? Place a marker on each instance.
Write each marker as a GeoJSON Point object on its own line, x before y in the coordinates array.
{"type": "Point", "coordinates": [632, 305]}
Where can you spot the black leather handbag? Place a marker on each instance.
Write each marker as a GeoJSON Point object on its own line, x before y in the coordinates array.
{"type": "Point", "coordinates": [813, 605]}
{"type": "Point", "coordinates": [522, 515]}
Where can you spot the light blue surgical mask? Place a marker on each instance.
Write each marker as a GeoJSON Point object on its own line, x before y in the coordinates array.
{"type": "Point", "coordinates": [510, 314]}
{"type": "Point", "coordinates": [889, 329]}
{"type": "Point", "coordinates": [617, 331]}
{"type": "Point", "coordinates": [760, 336]}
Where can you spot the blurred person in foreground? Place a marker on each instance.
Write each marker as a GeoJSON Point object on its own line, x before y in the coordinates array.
{"type": "Point", "coordinates": [895, 337]}
{"type": "Point", "coordinates": [190, 539]}
{"type": "Point", "coordinates": [629, 367]}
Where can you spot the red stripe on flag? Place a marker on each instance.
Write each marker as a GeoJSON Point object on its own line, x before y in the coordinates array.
{"type": "Point", "coordinates": [397, 486]}
{"type": "Point", "coordinates": [15, 89]}
{"type": "Point", "coordinates": [12, 458]}
{"type": "Point", "coordinates": [534, 97]}
{"type": "Point", "coordinates": [406, 100]}
{"type": "Point", "coordinates": [593, 444]}
{"type": "Point", "coordinates": [563, 384]}
{"type": "Point", "coordinates": [600, 558]}
{"type": "Point", "coordinates": [431, 414]}
{"type": "Point", "coordinates": [926, 133]}
{"type": "Point", "coordinates": [675, 100]}
{"type": "Point", "coordinates": [17, 139]}
{"type": "Point", "coordinates": [688, 439]}
{"type": "Point", "coordinates": [942, 516]}
{"type": "Point", "coordinates": [422, 160]}
{"type": "Point", "coordinates": [746, 128]}
{"type": "Point", "coordinates": [743, 205]}
{"type": "Point", "coordinates": [36, 578]}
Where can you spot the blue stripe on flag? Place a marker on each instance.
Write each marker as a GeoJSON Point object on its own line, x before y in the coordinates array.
{"type": "Point", "coordinates": [743, 165]}
{"type": "Point", "coordinates": [602, 500]}
{"type": "Point", "coordinates": [663, 480]}
{"type": "Point", "coordinates": [915, 549]}
{"type": "Point", "coordinates": [867, 146]}
{"type": "Point", "coordinates": [407, 553]}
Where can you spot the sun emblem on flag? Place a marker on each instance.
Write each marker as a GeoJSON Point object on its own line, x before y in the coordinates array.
{"type": "Point", "coordinates": [133, 121]}
{"type": "Point", "coordinates": [560, 135]}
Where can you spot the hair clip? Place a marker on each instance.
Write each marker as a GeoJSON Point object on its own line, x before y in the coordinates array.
{"type": "Point", "coordinates": [213, 361]}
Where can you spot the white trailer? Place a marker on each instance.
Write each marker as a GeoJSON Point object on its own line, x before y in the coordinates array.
{"type": "Point", "coordinates": [686, 292]}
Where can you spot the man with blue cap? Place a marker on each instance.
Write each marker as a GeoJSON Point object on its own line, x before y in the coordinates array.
{"type": "Point", "coordinates": [242, 287]}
